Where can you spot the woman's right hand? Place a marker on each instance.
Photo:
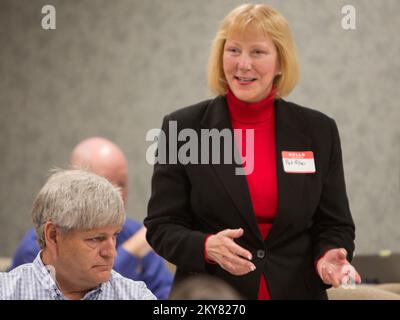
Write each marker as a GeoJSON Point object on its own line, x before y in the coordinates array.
{"type": "Point", "coordinates": [221, 249]}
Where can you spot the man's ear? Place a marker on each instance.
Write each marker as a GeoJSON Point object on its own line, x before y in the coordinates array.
{"type": "Point", "coordinates": [50, 234]}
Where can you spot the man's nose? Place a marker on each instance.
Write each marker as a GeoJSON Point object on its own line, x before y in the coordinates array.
{"type": "Point", "coordinates": [108, 249]}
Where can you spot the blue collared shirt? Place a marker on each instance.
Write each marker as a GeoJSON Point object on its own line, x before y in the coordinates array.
{"type": "Point", "coordinates": [33, 281]}
{"type": "Point", "coordinates": [151, 269]}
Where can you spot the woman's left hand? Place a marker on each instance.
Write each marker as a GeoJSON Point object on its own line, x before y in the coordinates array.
{"type": "Point", "coordinates": [335, 270]}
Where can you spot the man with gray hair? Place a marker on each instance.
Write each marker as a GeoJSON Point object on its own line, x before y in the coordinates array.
{"type": "Point", "coordinates": [77, 216]}
{"type": "Point", "coordinates": [135, 258]}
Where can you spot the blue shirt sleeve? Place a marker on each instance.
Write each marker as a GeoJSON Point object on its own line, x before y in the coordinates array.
{"type": "Point", "coordinates": [151, 269]}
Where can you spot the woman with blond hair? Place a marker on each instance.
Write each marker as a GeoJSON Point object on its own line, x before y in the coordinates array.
{"type": "Point", "coordinates": [282, 228]}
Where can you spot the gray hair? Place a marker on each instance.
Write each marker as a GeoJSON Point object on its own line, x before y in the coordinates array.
{"type": "Point", "coordinates": [77, 199]}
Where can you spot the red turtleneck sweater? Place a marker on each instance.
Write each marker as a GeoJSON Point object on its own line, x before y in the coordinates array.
{"type": "Point", "coordinates": [262, 181]}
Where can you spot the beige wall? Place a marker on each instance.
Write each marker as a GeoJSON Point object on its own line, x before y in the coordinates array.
{"type": "Point", "coordinates": [114, 68]}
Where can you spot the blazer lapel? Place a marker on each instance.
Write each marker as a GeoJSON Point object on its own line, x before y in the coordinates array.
{"type": "Point", "coordinates": [289, 137]}
{"type": "Point", "coordinates": [217, 117]}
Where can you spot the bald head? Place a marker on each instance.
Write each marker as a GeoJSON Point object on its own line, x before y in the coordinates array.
{"type": "Point", "coordinates": [105, 159]}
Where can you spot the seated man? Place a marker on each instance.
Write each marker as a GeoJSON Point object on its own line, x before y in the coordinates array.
{"type": "Point", "coordinates": [135, 258]}
{"type": "Point", "coordinates": [77, 216]}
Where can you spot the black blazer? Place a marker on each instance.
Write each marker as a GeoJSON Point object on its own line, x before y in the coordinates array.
{"type": "Point", "coordinates": [190, 201]}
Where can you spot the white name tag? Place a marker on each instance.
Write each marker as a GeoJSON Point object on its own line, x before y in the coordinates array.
{"type": "Point", "coordinates": [298, 161]}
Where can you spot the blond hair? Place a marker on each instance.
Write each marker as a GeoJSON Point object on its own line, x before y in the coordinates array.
{"type": "Point", "coordinates": [267, 21]}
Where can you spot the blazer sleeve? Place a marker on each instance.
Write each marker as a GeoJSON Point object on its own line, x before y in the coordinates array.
{"type": "Point", "coordinates": [169, 222]}
{"type": "Point", "coordinates": [333, 225]}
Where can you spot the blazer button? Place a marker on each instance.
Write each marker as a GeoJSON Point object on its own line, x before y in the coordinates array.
{"type": "Point", "coordinates": [260, 254]}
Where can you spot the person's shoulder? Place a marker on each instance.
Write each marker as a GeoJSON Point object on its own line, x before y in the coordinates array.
{"type": "Point", "coordinates": [315, 122]}
{"type": "Point", "coordinates": [306, 113]}
{"type": "Point", "coordinates": [128, 289]}
{"type": "Point", "coordinates": [193, 112]}
{"type": "Point", "coordinates": [28, 242]}
{"type": "Point", "coordinates": [14, 281]}
{"type": "Point", "coordinates": [29, 237]}
{"type": "Point", "coordinates": [131, 225]}
{"type": "Point", "coordinates": [27, 249]}
{"type": "Point", "coordinates": [31, 233]}
{"type": "Point", "coordinates": [20, 271]}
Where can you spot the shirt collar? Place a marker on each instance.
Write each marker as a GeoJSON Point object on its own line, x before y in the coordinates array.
{"type": "Point", "coordinates": [45, 274]}
{"type": "Point", "coordinates": [251, 113]}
